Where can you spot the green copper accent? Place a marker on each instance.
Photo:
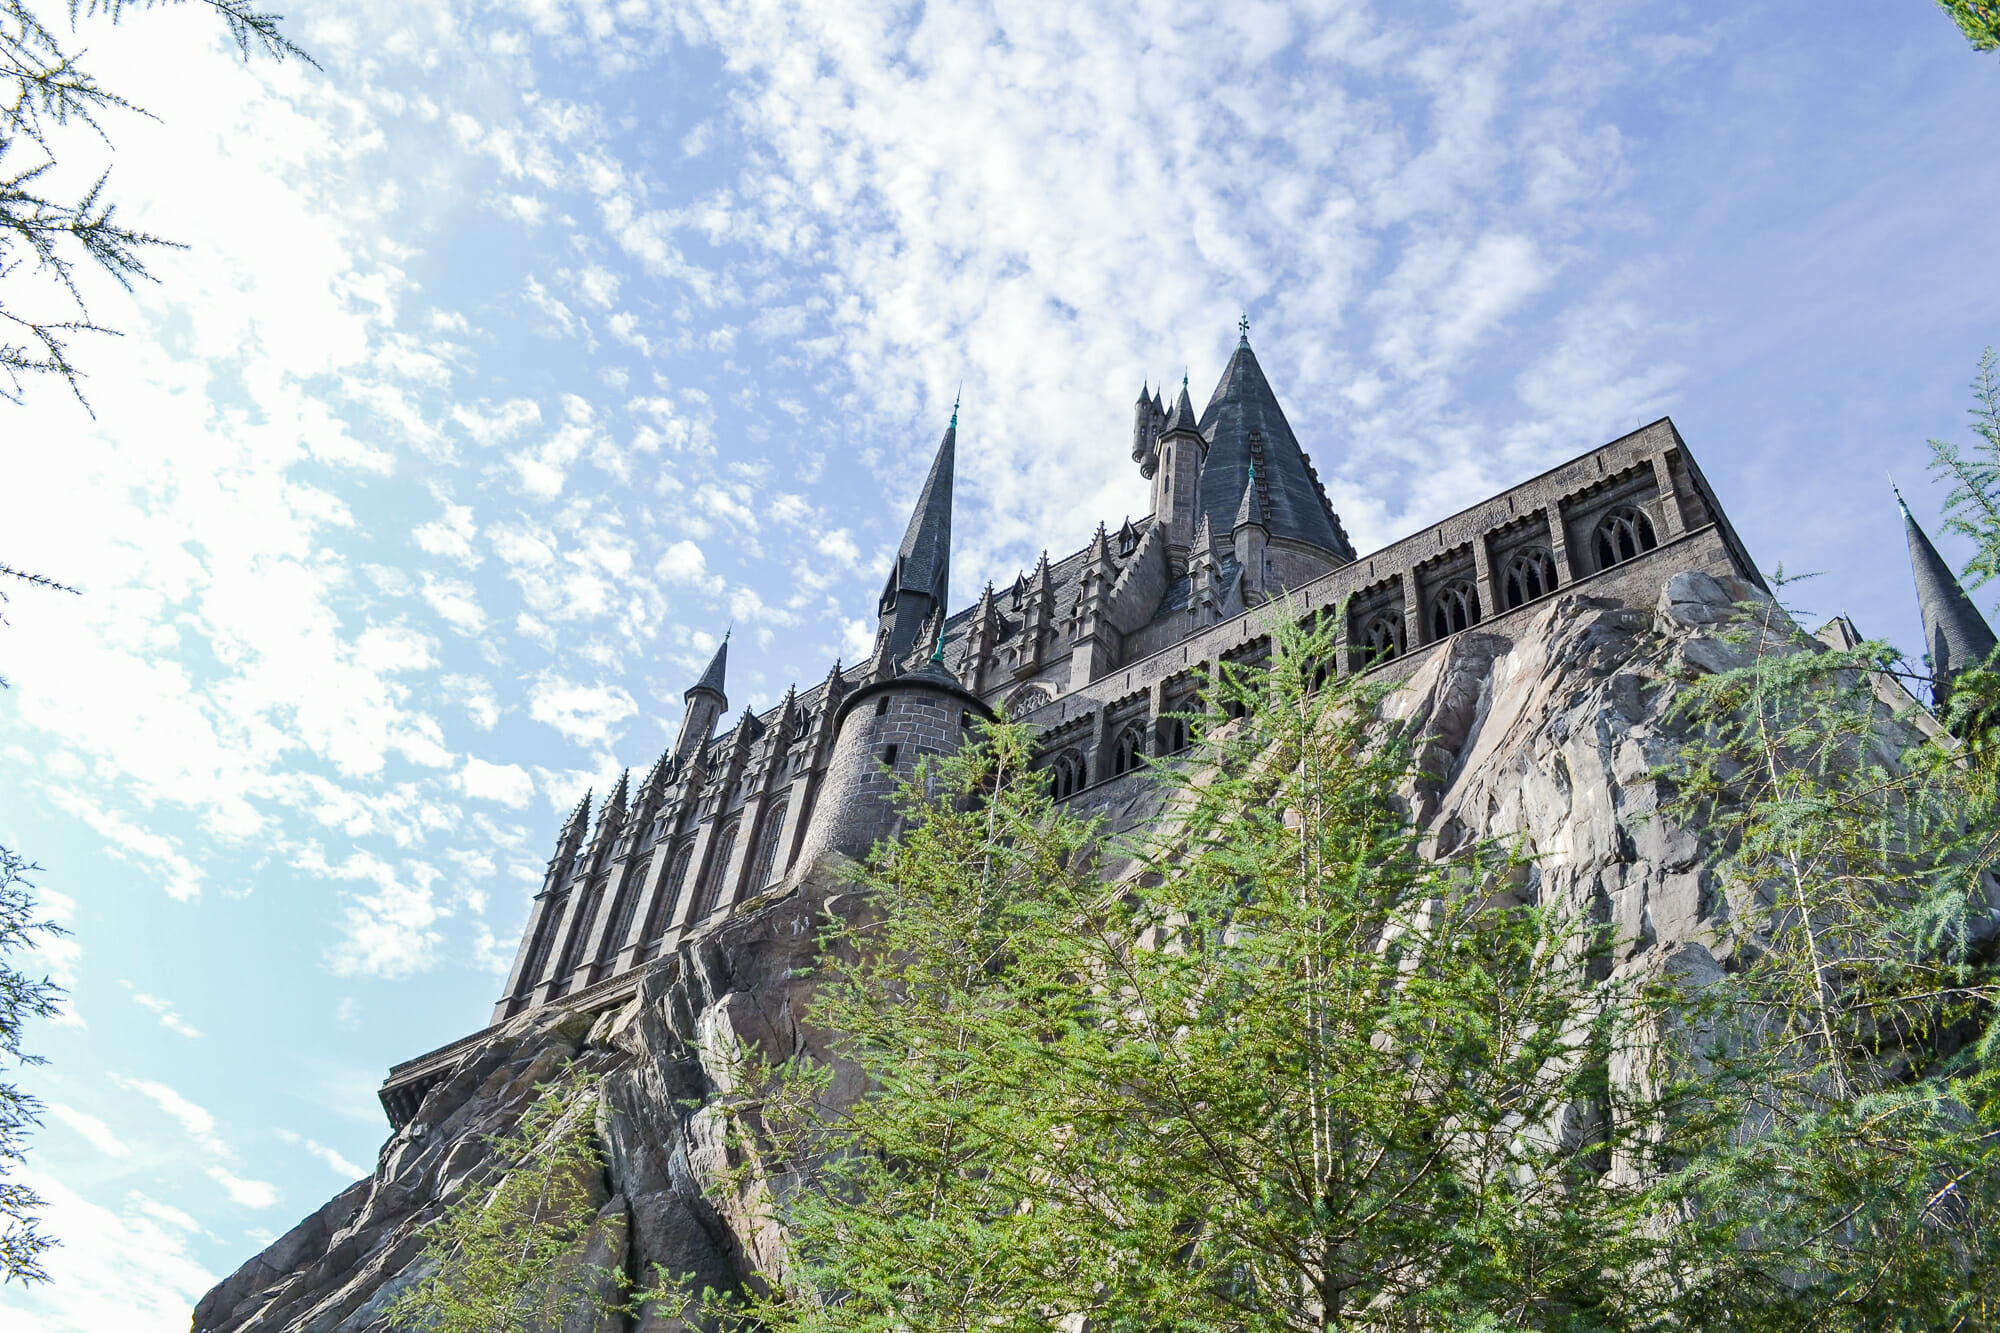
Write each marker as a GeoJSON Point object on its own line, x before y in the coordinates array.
{"type": "Point", "coordinates": [955, 399]}
{"type": "Point", "coordinates": [938, 655]}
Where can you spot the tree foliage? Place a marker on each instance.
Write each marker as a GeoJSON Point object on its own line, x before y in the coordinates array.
{"type": "Point", "coordinates": [1972, 475]}
{"type": "Point", "coordinates": [1283, 1072]}
{"type": "Point", "coordinates": [1979, 20]}
{"type": "Point", "coordinates": [23, 998]}
{"type": "Point", "coordinates": [47, 239]}
{"type": "Point", "coordinates": [1848, 1176]}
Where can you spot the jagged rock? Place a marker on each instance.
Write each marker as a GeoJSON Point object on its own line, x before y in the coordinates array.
{"type": "Point", "coordinates": [1550, 739]}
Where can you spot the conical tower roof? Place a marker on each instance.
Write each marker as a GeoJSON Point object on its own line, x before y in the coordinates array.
{"type": "Point", "coordinates": [1183, 417]}
{"type": "Point", "coordinates": [923, 561]}
{"type": "Point", "coordinates": [1955, 634]}
{"type": "Point", "coordinates": [1241, 406]}
{"type": "Point", "coordinates": [711, 679]}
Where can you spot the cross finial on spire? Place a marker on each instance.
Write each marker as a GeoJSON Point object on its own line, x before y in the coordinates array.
{"type": "Point", "coordinates": [731, 630]}
{"type": "Point", "coordinates": [1900, 502]}
{"type": "Point", "coordinates": [1243, 330]}
{"type": "Point", "coordinates": [956, 398]}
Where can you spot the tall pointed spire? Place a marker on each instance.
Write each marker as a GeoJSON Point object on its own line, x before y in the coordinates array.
{"type": "Point", "coordinates": [1182, 419]}
{"type": "Point", "coordinates": [1955, 634]}
{"type": "Point", "coordinates": [718, 667]}
{"type": "Point", "coordinates": [921, 576]}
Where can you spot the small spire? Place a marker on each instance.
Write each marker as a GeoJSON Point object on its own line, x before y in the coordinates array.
{"type": "Point", "coordinates": [1956, 636]}
{"type": "Point", "coordinates": [937, 654]}
{"type": "Point", "coordinates": [956, 397]}
{"type": "Point", "coordinates": [718, 668]}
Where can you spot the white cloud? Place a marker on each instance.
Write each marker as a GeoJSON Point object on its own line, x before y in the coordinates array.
{"type": "Point", "coordinates": [508, 784]}
{"type": "Point", "coordinates": [477, 698]}
{"type": "Point", "coordinates": [337, 1163]}
{"type": "Point", "coordinates": [496, 424]}
{"type": "Point", "coordinates": [584, 714]}
{"type": "Point", "coordinates": [450, 535]}
{"type": "Point", "coordinates": [196, 1120]}
{"type": "Point", "coordinates": [130, 1266]}
{"type": "Point", "coordinates": [456, 602]}
{"type": "Point", "coordinates": [684, 564]}
{"type": "Point", "coordinates": [91, 1129]}
{"type": "Point", "coordinates": [391, 932]}
{"type": "Point", "coordinates": [248, 1193]}
{"type": "Point", "coordinates": [169, 1017]}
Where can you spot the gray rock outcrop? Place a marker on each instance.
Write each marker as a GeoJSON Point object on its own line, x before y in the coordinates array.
{"type": "Point", "coordinates": [1552, 737]}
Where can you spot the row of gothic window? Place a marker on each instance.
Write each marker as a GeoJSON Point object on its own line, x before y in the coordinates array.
{"type": "Point", "coordinates": [709, 892]}
{"type": "Point", "coordinates": [1623, 534]}
{"type": "Point", "coordinates": [1068, 773]}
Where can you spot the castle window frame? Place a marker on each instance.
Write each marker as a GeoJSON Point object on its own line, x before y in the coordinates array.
{"type": "Point", "coordinates": [1530, 574]}
{"type": "Point", "coordinates": [1626, 533]}
{"type": "Point", "coordinates": [1381, 638]}
{"type": "Point", "coordinates": [882, 706]}
{"type": "Point", "coordinates": [764, 865]}
{"type": "Point", "coordinates": [1066, 774]}
{"type": "Point", "coordinates": [1128, 749]}
{"type": "Point", "coordinates": [717, 870]}
{"type": "Point", "coordinates": [1454, 607]}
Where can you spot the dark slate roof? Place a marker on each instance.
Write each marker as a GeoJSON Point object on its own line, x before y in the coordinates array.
{"type": "Point", "coordinates": [923, 561]}
{"type": "Point", "coordinates": [1182, 417]}
{"type": "Point", "coordinates": [711, 679]}
{"type": "Point", "coordinates": [1955, 634]}
{"type": "Point", "coordinates": [1243, 404]}
{"type": "Point", "coordinates": [1251, 511]}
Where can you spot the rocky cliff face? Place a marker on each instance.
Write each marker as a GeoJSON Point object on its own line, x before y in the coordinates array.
{"type": "Point", "coordinates": [1550, 736]}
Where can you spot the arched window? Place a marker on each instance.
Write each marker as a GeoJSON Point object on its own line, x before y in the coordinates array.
{"type": "Point", "coordinates": [1130, 745]}
{"type": "Point", "coordinates": [1066, 774]}
{"type": "Point", "coordinates": [1454, 607]}
{"type": "Point", "coordinates": [802, 725]}
{"type": "Point", "coordinates": [716, 871]}
{"type": "Point", "coordinates": [1529, 575]}
{"type": "Point", "coordinates": [767, 850]}
{"type": "Point", "coordinates": [1171, 734]}
{"type": "Point", "coordinates": [662, 910]}
{"type": "Point", "coordinates": [1382, 638]}
{"type": "Point", "coordinates": [1026, 700]}
{"type": "Point", "coordinates": [1622, 534]}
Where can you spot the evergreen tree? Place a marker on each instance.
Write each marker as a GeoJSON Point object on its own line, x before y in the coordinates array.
{"type": "Point", "coordinates": [1283, 1071]}
{"type": "Point", "coordinates": [43, 238]}
{"type": "Point", "coordinates": [23, 998]}
{"type": "Point", "coordinates": [1845, 1172]}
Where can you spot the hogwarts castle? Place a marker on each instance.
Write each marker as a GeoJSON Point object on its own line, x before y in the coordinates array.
{"type": "Point", "coordinates": [1104, 650]}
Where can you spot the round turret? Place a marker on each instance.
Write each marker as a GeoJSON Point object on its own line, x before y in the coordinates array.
{"type": "Point", "coordinates": [880, 732]}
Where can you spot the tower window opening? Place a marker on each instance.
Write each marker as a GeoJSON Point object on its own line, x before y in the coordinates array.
{"type": "Point", "coordinates": [1454, 608]}
{"type": "Point", "coordinates": [889, 755]}
{"type": "Point", "coordinates": [1529, 575]}
{"type": "Point", "coordinates": [1622, 534]}
{"type": "Point", "coordinates": [1066, 774]}
{"type": "Point", "coordinates": [1131, 744]}
{"type": "Point", "coordinates": [1382, 638]}
{"type": "Point", "coordinates": [882, 705]}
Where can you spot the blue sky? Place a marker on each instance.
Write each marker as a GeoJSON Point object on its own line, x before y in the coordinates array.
{"type": "Point", "coordinates": [530, 345]}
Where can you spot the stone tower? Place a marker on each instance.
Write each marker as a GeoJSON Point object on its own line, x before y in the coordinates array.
{"type": "Point", "coordinates": [882, 729]}
{"type": "Point", "coordinates": [706, 702]}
